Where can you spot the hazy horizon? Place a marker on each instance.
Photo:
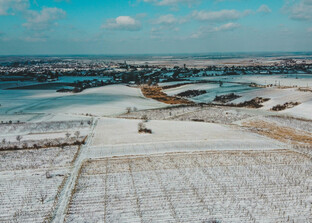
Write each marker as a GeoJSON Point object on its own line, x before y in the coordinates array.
{"type": "Point", "coordinates": [195, 54]}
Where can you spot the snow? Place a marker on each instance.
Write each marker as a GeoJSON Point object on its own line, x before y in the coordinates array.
{"type": "Point", "coordinates": [40, 133]}
{"type": "Point", "coordinates": [177, 90]}
{"type": "Point", "coordinates": [183, 172]}
{"type": "Point", "coordinates": [300, 80]}
{"type": "Point", "coordinates": [35, 159]}
{"type": "Point", "coordinates": [226, 186]}
{"type": "Point", "coordinates": [303, 110]}
{"type": "Point", "coordinates": [23, 182]}
{"type": "Point", "coordinates": [21, 203]}
{"type": "Point", "coordinates": [281, 96]}
{"type": "Point", "coordinates": [212, 114]}
{"type": "Point", "coordinates": [124, 132]}
{"type": "Point", "coordinates": [107, 100]}
{"type": "Point", "coordinates": [212, 90]}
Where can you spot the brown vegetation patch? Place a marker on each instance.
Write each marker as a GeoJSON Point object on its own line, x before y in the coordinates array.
{"type": "Point", "coordinates": [283, 134]}
{"type": "Point", "coordinates": [43, 144]}
{"type": "Point", "coordinates": [191, 93]}
{"type": "Point", "coordinates": [253, 103]}
{"type": "Point", "coordinates": [305, 89]}
{"type": "Point", "coordinates": [285, 87]}
{"type": "Point", "coordinates": [156, 93]}
{"type": "Point", "coordinates": [285, 106]}
{"type": "Point", "coordinates": [226, 98]}
{"type": "Point", "coordinates": [142, 128]}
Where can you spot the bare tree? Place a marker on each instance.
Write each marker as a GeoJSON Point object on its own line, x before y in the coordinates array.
{"type": "Point", "coordinates": [128, 109]}
{"type": "Point", "coordinates": [19, 138]}
{"type": "Point", "coordinates": [77, 134]}
{"type": "Point", "coordinates": [67, 135]}
{"type": "Point", "coordinates": [141, 126]}
{"type": "Point", "coordinates": [3, 141]}
{"type": "Point", "coordinates": [144, 118]}
{"type": "Point", "coordinates": [42, 197]}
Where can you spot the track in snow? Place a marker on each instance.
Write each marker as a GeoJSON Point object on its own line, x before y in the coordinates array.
{"type": "Point", "coordinates": [60, 212]}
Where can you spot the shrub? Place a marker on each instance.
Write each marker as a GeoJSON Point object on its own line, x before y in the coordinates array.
{"type": "Point", "coordinates": [48, 175]}
{"type": "Point", "coordinates": [142, 128]}
{"type": "Point", "coordinates": [128, 109]}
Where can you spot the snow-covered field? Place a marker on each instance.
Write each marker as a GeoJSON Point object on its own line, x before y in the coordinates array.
{"type": "Point", "coordinates": [227, 186]}
{"type": "Point", "coordinates": [212, 114]}
{"type": "Point", "coordinates": [276, 96]}
{"type": "Point", "coordinates": [27, 194]}
{"type": "Point", "coordinates": [299, 124]}
{"type": "Point", "coordinates": [37, 159]}
{"type": "Point", "coordinates": [303, 110]}
{"type": "Point", "coordinates": [212, 90]}
{"type": "Point", "coordinates": [107, 100]}
{"type": "Point", "coordinates": [28, 197]}
{"type": "Point", "coordinates": [299, 80]}
{"type": "Point", "coordinates": [200, 164]}
{"type": "Point", "coordinates": [184, 171]}
{"type": "Point", "coordinates": [121, 131]}
{"type": "Point", "coordinates": [38, 134]}
{"type": "Point", "coordinates": [177, 90]}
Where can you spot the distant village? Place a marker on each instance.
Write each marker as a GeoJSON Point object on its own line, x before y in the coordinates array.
{"type": "Point", "coordinates": [54, 71]}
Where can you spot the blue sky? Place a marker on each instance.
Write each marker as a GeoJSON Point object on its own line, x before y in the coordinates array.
{"type": "Point", "coordinates": [30, 27]}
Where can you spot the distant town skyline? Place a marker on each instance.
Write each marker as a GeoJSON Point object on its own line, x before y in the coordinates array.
{"type": "Point", "coordinates": [39, 27]}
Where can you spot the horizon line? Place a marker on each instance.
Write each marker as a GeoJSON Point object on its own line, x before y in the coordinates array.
{"type": "Point", "coordinates": [158, 54]}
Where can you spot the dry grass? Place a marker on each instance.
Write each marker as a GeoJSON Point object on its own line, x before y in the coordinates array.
{"type": "Point", "coordinates": [156, 93]}
{"type": "Point", "coordinates": [281, 133]}
{"type": "Point", "coordinates": [305, 89]}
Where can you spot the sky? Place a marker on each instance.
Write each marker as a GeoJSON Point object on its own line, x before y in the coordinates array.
{"type": "Point", "coordinates": [55, 27]}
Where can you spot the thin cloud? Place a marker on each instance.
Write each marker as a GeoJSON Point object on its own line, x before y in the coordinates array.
{"type": "Point", "coordinates": [301, 10]}
{"type": "Point", "coordinates": [44, 19]}
{"type": "Point", "coordinates": [204, 31]}
{"type": "Point", "coordinates": [264, 9]}
{"type": "Point", "coordinates": [123, 23]}
{"type": "Point", "coordinates": [219, 16]}
{"type": "Point", "coordinates": [227, 27]}
{"type": "Point", "coordinates": [172, 2]}
{"type": "Point", "coordinates": [168, 19]}
{"type": "Point", "coordinates": [10, 7]}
